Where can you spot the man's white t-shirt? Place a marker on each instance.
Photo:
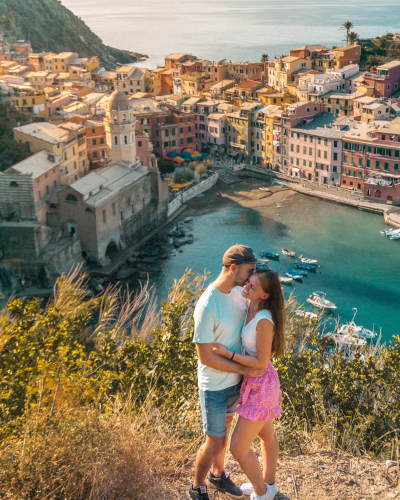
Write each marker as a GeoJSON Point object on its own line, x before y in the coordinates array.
{"type": "Point", "coordinates": [217, 318]}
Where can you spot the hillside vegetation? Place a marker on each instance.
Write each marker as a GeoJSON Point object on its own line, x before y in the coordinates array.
{"type": "Point", "coordinates": [379, 50]}
{"type": "Point", "coordinates": [52, 27]}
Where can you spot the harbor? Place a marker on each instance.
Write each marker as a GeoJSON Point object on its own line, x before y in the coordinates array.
{"type": "Point", "coordinates": [357, 266]}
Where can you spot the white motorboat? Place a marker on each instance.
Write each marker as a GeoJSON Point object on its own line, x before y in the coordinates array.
{"type": "Point", "coordinates": [306, 314]}
{"type": "Point", "coordinates": [263, 263]}
{"type": "Point", "coordinates": [317, 299]}
{"type": "Point", "coordinates": [345, 340]}
{"type": "Point", "coordinates": [286, 280]}
{"type": "Point", "coordinates": [356, 331]}
{"type": "Point", "coordinates": [307, 261]}
{"type": "Point", "coordinates": [388, 231]}
{"type": "Point", "coordinates": [392, 233]}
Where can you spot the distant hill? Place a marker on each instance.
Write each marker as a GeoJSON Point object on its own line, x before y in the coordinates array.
{"type": "Point", "coordinates": [52, 27]}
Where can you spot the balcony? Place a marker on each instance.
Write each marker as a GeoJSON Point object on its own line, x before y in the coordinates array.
{"type": "Point", "coordinates": [276, 143]}
{"type": "Point", "coordinates": [374, 76]}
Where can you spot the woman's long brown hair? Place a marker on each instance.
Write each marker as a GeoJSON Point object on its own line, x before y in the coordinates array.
{"type": "Point", "coordinates": [275, 304]}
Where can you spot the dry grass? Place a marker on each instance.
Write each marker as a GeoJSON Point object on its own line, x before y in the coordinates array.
{"type": "Point", "coordinates": [87, 454]}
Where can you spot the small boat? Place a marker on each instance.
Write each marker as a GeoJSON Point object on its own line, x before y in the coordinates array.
{"type": "Point", "coordinates": [387, 231]}
{"type": "Point", "coordinates": [394, 236]}
{"type": "Point", "coordinates": [306, 314]}
{"type": "Point", "coordinates": [344, 340]}
{"type": "Point", "coordinates": [294, 275]}
{"type": "Point", "coordinates": [264, 189]}
{"type": "Point", "coordinates": [288, 252]}
{"type": "Point", "coordinates": [307, 261]}
{"type": "Point", "coordinates": [308, 267]}
{"type": "Point", "coordinates": [263, 263]}
{"type": "Point", "coordinates": [270, 255]}
{"type": "Point", "coordinates": [317, 299]}
{"type": "Point", "coordinates": [286, 280]}
{"type": "Point", "coordinates": [302, 272]}
{"type": "Point", "coordinates": [392, 233]}
{"type": "Point", "coordinates": [356, 331]}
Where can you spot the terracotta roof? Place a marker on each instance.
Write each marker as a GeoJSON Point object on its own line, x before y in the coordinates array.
{"type": "Point", "coordinates": [248, 84]}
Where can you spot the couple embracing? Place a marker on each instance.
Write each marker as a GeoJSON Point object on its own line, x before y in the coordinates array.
{"type": "Point", "coordinates": [239, 325]}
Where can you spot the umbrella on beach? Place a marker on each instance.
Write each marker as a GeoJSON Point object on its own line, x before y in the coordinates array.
{"type": "Point", "coordinates": [196, 154]}
{"type": "Point", "coordinates": [178, 159]}
{"type": "Point", "coordinates": [188, 150]}
{"type": "Point", "coordinates": [186, 155]}
{"type": "Point", "coordinates": [172, 154]}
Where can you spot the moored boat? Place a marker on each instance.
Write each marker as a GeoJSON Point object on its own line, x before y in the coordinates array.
{"type": "Point", "coordinates": [302, 272]}
{"type": "Point", "coordinates": [307, 261]}
{"type": "Point", "coordinates": [294, 275]}
{"type": "Point", "coordinates": [356, 331]}
{"type": "Point", "coordinates": [308, 267]}
{"type": "Point", "coordinates": [392, 233]}
{"type": "Point", "coordinates": [285, 280]}
{"type": "Point", "coordinates": [306, 314]}
{"type": "Point", "coordinates": [394, 236]}
{"type": "Point", "coordinates": [387, 231]}
{"type": "Point", "coordinates": [317, 299]}
{"type": "Point", "coordinates": [262, 263]}
{"type": "Point", "coordinates": [288, 252]}
{"type": "Point", "coordinates": [269, 255]}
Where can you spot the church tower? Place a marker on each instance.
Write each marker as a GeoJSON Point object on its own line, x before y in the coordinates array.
{"type": "Point", "coordinates": [120, 130]}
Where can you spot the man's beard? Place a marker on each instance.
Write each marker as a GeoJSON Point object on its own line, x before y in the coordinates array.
{"type": "Point", "coordinates": [239, 281]}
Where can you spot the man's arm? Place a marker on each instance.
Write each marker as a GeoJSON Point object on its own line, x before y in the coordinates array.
{"type": "Point", "coordinates": [207, 357]}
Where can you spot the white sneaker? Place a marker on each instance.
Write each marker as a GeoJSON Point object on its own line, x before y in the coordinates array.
{"type": "Point", "coordinates": [248, 489]}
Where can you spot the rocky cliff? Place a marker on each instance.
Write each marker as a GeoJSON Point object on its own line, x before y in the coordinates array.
{"type": "Point", "coordinates": [52, 27]}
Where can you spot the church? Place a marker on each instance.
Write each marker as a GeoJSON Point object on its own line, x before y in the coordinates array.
{"type": "Point", "coordinates": [111, 208]}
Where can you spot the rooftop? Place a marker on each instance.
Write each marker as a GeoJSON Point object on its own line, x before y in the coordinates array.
{"type": "Point", "coordinates": [176, 56]}
{"type": "Point", "coordinates": [361, 130]}
{"type": "Point", "coordinates": [37, 164]}
{"type": "Point", "coordinates": [110, 180]}
{"type": "Point", "coordinates": [248, 84]}
{"type": "Point", "coordinates": [324, 125]}
{"type": "Point", "coordinates": [391, 64]}
{"type": "Point", "coordinates": [311, 48]}
{"type": "Point", "coordinates": [44, 131]}
{"type": "Point", "coordinates": [289, 59]}
{"type": "Point", "coordinates": [345, 47]}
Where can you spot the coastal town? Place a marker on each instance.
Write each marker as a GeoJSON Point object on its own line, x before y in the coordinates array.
{"type": "Point", "coordinates": [113, 155]}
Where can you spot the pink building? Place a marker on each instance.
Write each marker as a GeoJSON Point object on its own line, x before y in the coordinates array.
{"type": "Point", "coordinates": [385, 80]}
{"type": "Point", "coordinates": [293, 114]}
{"type": "Point", "coordinates": [316, 149]}
{"type": "Point", "coordinates": [26, 187]}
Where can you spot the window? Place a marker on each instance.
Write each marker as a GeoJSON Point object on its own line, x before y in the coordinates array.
{"type": "Point", "coordinates": [360, 175]}
{"type": "Point", "coordinates": [71, 197]}
{"type": "Point", "coordinates": [377, 165]}
{"type": "Point", "coordinates": [310, 151]}
{"type": "Point", "coordinates": [352, 160]}
{"type": "Point", "coordinates": [335, 156]}
{"type": "Point", "coordinates": [368, 163]}
{"type": "Point", "coordinates": [93, 131]}
{"type": "Point", "coordinates": [190, 140]}
{"type": "Point", "coordinates": [360, 162]}
{"type": "Point", "coordinates": [125, 140]}
{"type": "Point", "coordinates": [94, 142]}
{"type": "Point", "coordinates": [335, 144]}
{"type": "Point", "coordinates": [115, 140]}
{"type": "Point", "coordinates": [304, 150]}
{"type": "Point", "coordinates": [325, 142]}
{"type": "Point", "coordinates": [94, 154]}
{"type": "Point", "coordinates": [189, 129]}
{"type": "Point", "coordinates": [396, 167]}
{"type": "Point", "coordinates": [345, 171]}
{"type": "Point", "coordinates": [319, 153]}
{"type": "Point", "coordinates": [102, 140]}
{"type": "Point", "coordinates": [326, 155]}
{"type": "Point", "coordinates": [386, 167]}
{"type": "Point", "coordinates": [334, 168]}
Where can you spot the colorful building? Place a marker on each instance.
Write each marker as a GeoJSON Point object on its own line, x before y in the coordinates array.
{"type": "Point", "coordinates": [385, 80]}
{"type": "Point", "coordinates": [346, 54]}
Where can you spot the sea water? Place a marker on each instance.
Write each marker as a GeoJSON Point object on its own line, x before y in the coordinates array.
{"type": "Point", "coordinates": [231, 29]}
{"type": "Point", "coordinates": [359, 267]}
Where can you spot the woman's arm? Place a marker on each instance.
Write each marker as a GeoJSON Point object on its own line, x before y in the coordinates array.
{"type": "Point", "coordinates": [265, 331]}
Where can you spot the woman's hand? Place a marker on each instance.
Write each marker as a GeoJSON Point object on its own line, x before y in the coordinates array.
{"type": "Point", "coordinates": [222, 351]}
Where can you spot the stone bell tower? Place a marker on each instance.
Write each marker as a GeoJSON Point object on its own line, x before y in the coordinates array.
{"type": "Point", "coordinates": [120, 130]}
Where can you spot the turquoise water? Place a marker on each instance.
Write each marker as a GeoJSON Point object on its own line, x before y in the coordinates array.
{"type": "Point", "coordinates": [233, 29]}
{"type": "Point", "coordinates": [359, 267]}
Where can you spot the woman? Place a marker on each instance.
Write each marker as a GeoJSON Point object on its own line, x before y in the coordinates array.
{"type": "Point", "coordinates": [262, 337]}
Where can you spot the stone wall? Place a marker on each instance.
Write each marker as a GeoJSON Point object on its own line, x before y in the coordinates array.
{"type": "Point", "coordinates": [23, 240]}
{"type": "Point", "coordinates": [185, 196]}
{"type": "Point", "coordinates": [16, 196]}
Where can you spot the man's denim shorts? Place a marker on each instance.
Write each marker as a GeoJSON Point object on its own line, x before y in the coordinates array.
{"type": "Point", "coordinates": [216, 406]}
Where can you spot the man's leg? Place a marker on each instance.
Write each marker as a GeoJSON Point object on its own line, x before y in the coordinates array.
{"type": "Point", "coordinates": [206, 456]}
{"type": "Point", "coordinates": [218, 464]}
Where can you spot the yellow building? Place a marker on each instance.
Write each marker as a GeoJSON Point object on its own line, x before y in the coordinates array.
{"type": "Point", "coordinates": [38, 78]}
{"type": "Point", "coordinates": [272, 97]}
{"type": "Point", "coordinates": [244, 91]}
{"type": "Point", "coordinates": [270, 115]}
{"type": "Point", "coordinates": [60, 141]}
{"type": "Point", "coordinates": [154, 81]}
{"type": "Point", "coordinates": [283, 71]}
{"type": "Point", "coordinates": [59, 62]}
{"type": "Point", "coordinates": [130, 79]}
{"type": "Point", "coordinates": [195, 83]}
{"type": "Point", "coordinates": [238, 131]}
{"type": "Point", "coordinates": [32, 103]}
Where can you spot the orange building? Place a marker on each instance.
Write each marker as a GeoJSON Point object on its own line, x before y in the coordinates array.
{"type": "Point", "coordinates": [347, 54]}
{"type": "Point", "coordinates": [96, 144]}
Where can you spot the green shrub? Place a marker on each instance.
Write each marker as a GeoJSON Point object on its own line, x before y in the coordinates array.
{"type": "Point", "coordinates": [183, 175]}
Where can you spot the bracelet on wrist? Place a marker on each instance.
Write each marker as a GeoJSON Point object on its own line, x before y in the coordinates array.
{"type": "Point", "coordinates": [233, 354]}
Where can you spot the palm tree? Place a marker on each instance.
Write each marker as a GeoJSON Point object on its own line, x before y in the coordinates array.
{"type": "Point", "coordinates": [352, 37]}
{"type": "Point", "coordinates": [347, 26]}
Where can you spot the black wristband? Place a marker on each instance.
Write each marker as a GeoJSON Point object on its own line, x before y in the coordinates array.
{"type": "Point", "coordinates": [233, 354]}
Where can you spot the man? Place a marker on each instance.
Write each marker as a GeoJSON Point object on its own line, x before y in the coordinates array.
{"type": "Point", "coordinates": [218, 319]}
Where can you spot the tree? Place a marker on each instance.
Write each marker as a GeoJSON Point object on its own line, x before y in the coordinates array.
{"type": "Point", "coordinates": [347, 26]}
{"type": "Point", "coordinates": [166, 167]}
{"type": "Point", "coordinates": [352, 37]}
{"type": "Point", "coordinates": [264, 58]}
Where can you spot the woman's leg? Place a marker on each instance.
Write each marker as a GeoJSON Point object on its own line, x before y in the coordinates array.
{"type": "Point", "coordinates": [269, 450]}
{"type": "Point", "coordinates": [243, 435]}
